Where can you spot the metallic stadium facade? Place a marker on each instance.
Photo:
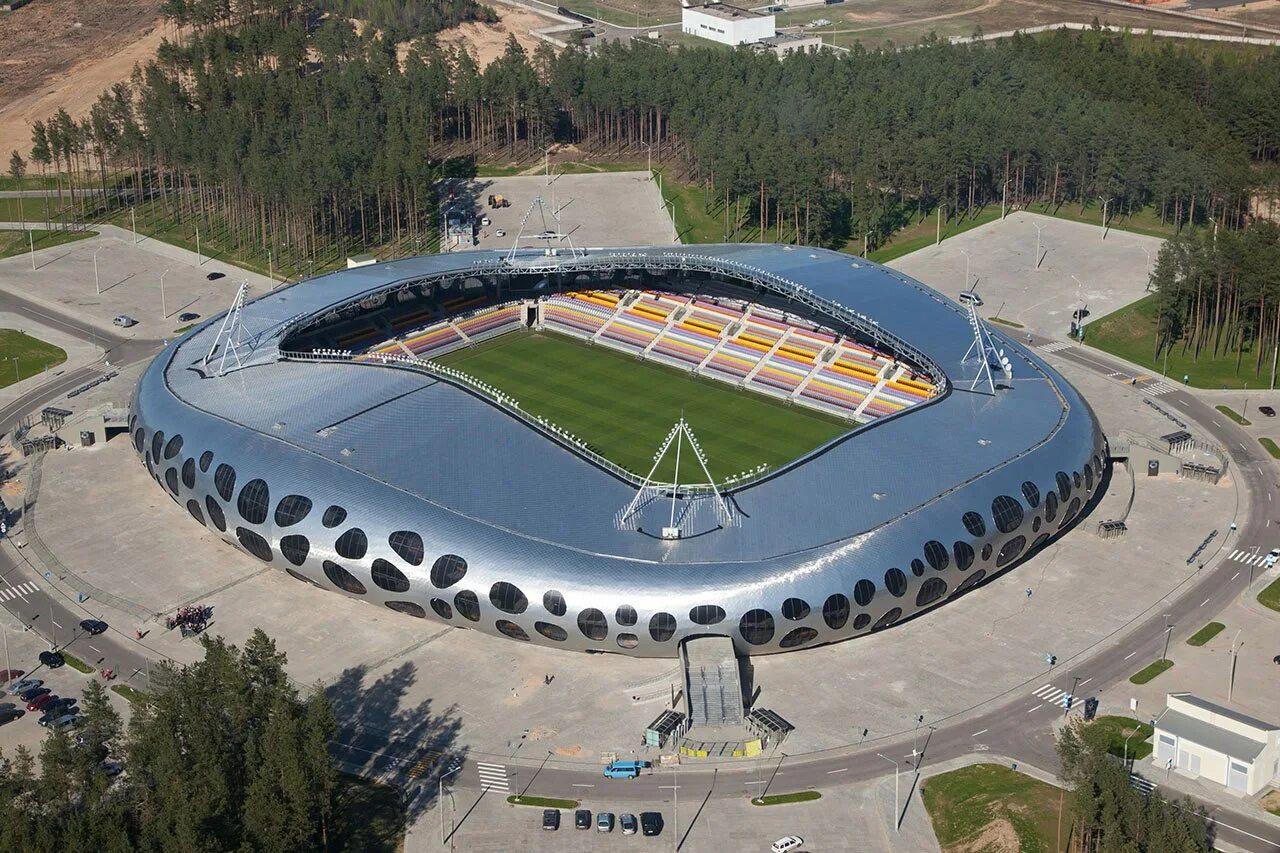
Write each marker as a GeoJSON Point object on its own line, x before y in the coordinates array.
{"type": "Point", "coordinates": [402, 485]}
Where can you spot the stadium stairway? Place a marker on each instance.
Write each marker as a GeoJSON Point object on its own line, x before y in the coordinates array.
{"type": "Point", "coordinates": [713, 687]}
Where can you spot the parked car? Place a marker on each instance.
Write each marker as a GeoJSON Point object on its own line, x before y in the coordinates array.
{"type": "Point", "coordinates": [968, 297]}
{"type": "Point", "coordinates": [582, 819]}
{"type": "Point", "coordinates": [786, 844]}
{"type": "Point", "coordinates": [53, 660]}
{"type": "Point", "coordinates": [500, 232]}
{"type": "Point", "coordinates": [1268, 411]}
{"type": "Point", "coordinates": [52, 715]}
{"type": "Point", "coordinates": [93, 627]}
{"type": "Point", "coordinates": [628, 823]}
{"type": "Point", "coordinates": [28, 695]}
{"type": "Point", "coordinates": [188, 316]}
{"type": "Point", "coordinates": [604, 821]}
{"type": "Point", "coordinates": [1270, 560]}
{"type": "Point", "coordinates": [7, 706]}
{"type": "Point", "coordinates": [7, 675]}
{"type": "Point", "coordinates": [625, 769]}
{"type": "Point", "coordinates": [214, 276]}
{"type": "Point", "coordinates": [551, 819]}
{"type": "Point", "coordinates": [650, 823]}
{"type": "Point", "coordinates": [22, 685]}
{"type": "Point", "coordinates": [10, 715]}
{"type": "Point", "coordinates": [124, 321]}
{"type": "Point", "coordinates": [65, 702]}
{"type": "Point", "coordinates": [64, 721]}
{"type": "Point", "coordinates": [40, 701]}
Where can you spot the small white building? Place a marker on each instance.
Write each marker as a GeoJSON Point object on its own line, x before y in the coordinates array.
{"type": "Point", "coordinates": [784, 44]}
{"type": "Point", "coordinates": [1208, 741]}
{"type": "Point", "coordinates": [726, 24]}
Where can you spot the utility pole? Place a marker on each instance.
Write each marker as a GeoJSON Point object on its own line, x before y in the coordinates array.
{"type": "Point", "coordinates": [897, 823]}
{"type": "Point", "coordinates": [1036, 266]}
{"type": "Point", "coordinates": [1105, 202]}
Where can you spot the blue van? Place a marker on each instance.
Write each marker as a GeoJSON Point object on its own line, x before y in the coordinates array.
{"type": "Point", "coordinates": [625, 769]}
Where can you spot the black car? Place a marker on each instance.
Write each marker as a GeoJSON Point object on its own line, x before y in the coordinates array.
{"type": "Point", "coordinates": [28, 695]}
{"type": "Point", "coordinates": [188, 316]}
{"type": "Point", "coordinates": [93, 627]}
{"type": "Point", "coordinates": [1268, 411]}
{"type": "Point", "coordinates": [51, 713]}
{"type": "Point", "coordinates": [551, 819]}
{"type": "Point", "coordinates": [11, 714]}
{"type": "Point", "coordinates": [214, 276]}
{"type": "Point", "coordinates": [650, 823]}
{"type": "Point", "coordinates": [53, 660]}
{"type": "Point", "coordinates": [582, 819]}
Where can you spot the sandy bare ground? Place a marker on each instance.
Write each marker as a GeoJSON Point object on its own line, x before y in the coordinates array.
{"type": "Point", "coordinates": [64, 53]}
{"type": "Point", "coordinates": [486, 42]}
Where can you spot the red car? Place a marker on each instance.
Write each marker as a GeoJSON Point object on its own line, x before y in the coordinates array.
{"type": "Point", "coordinates": [40, 701]}
{"type": "Point", "coordinates": [7, 675]}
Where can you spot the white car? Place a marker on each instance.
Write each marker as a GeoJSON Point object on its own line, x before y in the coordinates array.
{"type": "Point", "coordinates": [1271, 559]}
{"type": "Point", "coordinates": [787, 843]}
{"type": "Point", "coordinates": [500, 232]}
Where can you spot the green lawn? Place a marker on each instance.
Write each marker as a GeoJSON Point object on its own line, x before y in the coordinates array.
{"type": "Point", "coordinates": [542, 802]}
{"type": "Point", "coordinates": [965, 802]}
{"type": "Point", "coordinates": [75, 663]}
{"type": "Point", "coordinates": [1270, 447]}
{"type": "Point", "coordinates": [785, 799]}
{"type": "Point", "coordinates": [129, 693]}
{"type": "Point", "coordinates": [1270, 597]}
{"type": "Point", "coordinates": [1234, 415]}
{"type": "Point", "coordinates": [623, 407]}
{"type": "Point", "coordinates": [18, 243]}
{"type": "Point", "coordinates": [1205, 634]}
{"type": "Point", "coordinates": [1151, 670]}
{"type": "Point", "coordinates": [22, 355]}
{"type": "Point", "coordinates": [1112, 731]}
{"type": "Point", "coordinates": [1130, 333]}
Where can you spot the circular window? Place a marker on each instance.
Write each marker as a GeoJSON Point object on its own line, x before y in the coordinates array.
{"type": "Point", "coordinates": [1075, 478]}
{"type": "Point", "coordinates": [206, 459]}
{"type": "Point", "coordinates": [171, 479]}
{"type": "Point", "coordinates": [628, 641]}
{"type": "Point", "coordinates": [157, 444]}
{"type": "Point", "coordinates": [193, 507]}
{"type": "Point", "coordinates": [254, 544]}
{"type": "Point", "coordinates": [592, 624]}
{"type": "Point", "coordinates": [189, 473]}
{"type": "Point", "coordinates": [974, 524]}
{"type": "Point", "coordinates": [662, 627]}
{"type": "Point", "coordinates": [511, 629]}
{"type": "Point", "coordinates": [861, 621]}
{"type": "Point", "coordinates": [254, 502]}
{"type": "Point", "coordinates": [448, 570]}
{"type": "Point", "coordinates": [333, 516]}
{"type": "Point", "coordinates": [936, 553]}
{"type": "Point", "coordinates": [408, 608]}
{"type": "Point", "coordinates": [986, 551]}
{"type": "Point", "coordinates": [1007, 512]}
{"type": "Point", "coordinates": [301, 577]}
{"type": "Point", "coordinates": [352, 545]}
{"type": "Point", "coordinates": [388, 577]}
{"type": "Point", "coordinates": [970, 582]}
{"type": "Point", "coordinates": [1070, 513]}
{"type": "Point", "coordinates": [1051, 506]}
{"type": "Point", "coordinates": [341, 578]}
{"type": "Point", "coordinates": [551, 632]}
{"type": "Point", "coordinates": [408, 545]}
{"type": "Point", "coordinates": [625, 615]}
{"type": "Point", "coordinates": [756, 626]}
{"type": "Point", "coordinates": [917, 567]}
{"type": "Point", "coordinates": [1040, 540]}
{"type": "Point", "coordinates": [139, 439]}
{"type": "Point", "coordinates": [1035, 524]}
{"type": "Point", "coordinates": [835, 611]}
{"type": "Point", "coordinates": [1064, 485]}
{"type": "Point", "coordinates": [863, 591]}
{"type": "Point", "coordinates": [224, 480]}
{"type": "Point", "coordinates": [508, 598]}
{"type": "Point", "coordinates": [295, 549]}
{"type": "Point", "coordinates": [930, 591]}
{"type": "Point", "coordinates": [215, 513]}
{"type": "Point", "coordinates": [1088, 478]}
{"type": "Point", "coordinates": [1031, 492]}
{"type": "Point", "coordinates": [706, 614]}
{"type": "Point", "coordinates": [173, 447]}
{"type": "Point", "coordinates": [798, 637]}
{"type": "Point", "coordinates": [553, 601]}
{"type": "Point", "coordinates": [889, 618]}
{"type": "Point", "coordinates": [292, 509]}
{"type": "Point", "coordinates": [795, 609]}
{"type": "Point", "coordinates": [467, 603]}
{"type": "Point", "coordinates": [896, 582]}
{"type": "Point", "coordinates": [964, 556]}
{"type": "Point", "coordinates": [1011, 550]}
{"type": "Point", "coordinates": [442, 608]}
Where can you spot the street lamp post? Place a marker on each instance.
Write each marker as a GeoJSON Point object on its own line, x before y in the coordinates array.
{"type": "Point", "coordinates": [965, 252]}
{"type": "Point", "coordinates": [649, 151]}
{"type": "Point", "coordinates": [1004, 193]}
{"type": "Point", "coordinates": [897, 825]}
{"type": "Point", "coordinates": [865, 235]}
{"type": "Point", "coordinates": [1231, 675]}
{"type": "Point", "coordinates": [31, 244]}
{"type": "Point", "coordinates": [440, 797]}
{"type": "Point", "coordinates": [1105, 202]}
{"type": "Point", "coordinates": [1147, 252]}
{"type": "Point", "coordinates": [97, 288]}
{"type": "Point", "coordinates": [675, 793]}
{"type": "Point", "coordinates": [1168, 630]}
{"type": "Point", "coordinates": [164, 312]}
{"type": "Point", "coordinates": [1036, 261]}
{"type": "Point", "coordinates": [199, 257]}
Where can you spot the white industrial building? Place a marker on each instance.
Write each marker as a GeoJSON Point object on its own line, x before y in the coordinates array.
{"type": "Point", "coordinates": [1208, 741]}
{"type": "Point", "coordinates": [726, 24]}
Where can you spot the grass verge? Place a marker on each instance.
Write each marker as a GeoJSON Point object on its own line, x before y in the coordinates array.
{"type": "Point", "coordinates": [134, 696]}
{"type": "Point", "coordinates": [985, 800]}
{"type": "Point", "coordinates": [1005, 322]}
{"type": "Point", "coordinates": [1271, 447]}
{"type": "Point", "coordinates": [368, 816]}
{"type": "Point", "coordinates": [1111, 732]}
{"type": "Point", "coordinates": [28, 355]}
{"type": "Point", "coordinates": [1205, 634]}
{"type": "Point", "coordinates": [783, 799]}
{"type": "Point", "coordinates": [623, 408]}
{"type": "Point", "coordinates": [542, 802]}
{"type": "Point", "coordinates": [1151, 670]}
{"type": "Point", "coordinates": [1270, 597]}
{"type": "Point", "coordinates": [1234, 415]}
{"type": "Point", "coordinates": [13, 243]}
{"type": "Point", "coordinates": [75, 662]}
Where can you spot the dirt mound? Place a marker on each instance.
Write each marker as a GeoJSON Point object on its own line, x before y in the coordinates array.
{"type": "Point", "coordinates": [999, 836]}
{"type": "Point", "coordinates": [63, 53]}
{"type": "Point", "coordinates": [486, 42]}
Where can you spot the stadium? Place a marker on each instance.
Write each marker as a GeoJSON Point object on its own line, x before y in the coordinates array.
{"type": "Point", "coordinates": [615, 450]}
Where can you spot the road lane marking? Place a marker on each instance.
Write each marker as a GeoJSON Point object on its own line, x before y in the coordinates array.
{"type": "Point", "coordinates": [1086, 681]}
{"type": "Point", "coordinates": [1033, 708]}
{"type": "Point", "coordinates": [1131, 654]}
{"type": "Point", "coordinates": [582, 785]}
{"type": "Point", "coordinates": [755, 782]}
{"type": "Point", "coordinates": [660, 787]}
{"type": "Point", "coordinates": [95, 648]}
{"type": "Point", "coordinates": [1236, 575]}
{"type": "Point", "coordinates": [55, 624]}
{"type": "Point", "coordinates": [841, 770]}
{"type": "Point", "coordinates": [983, 732]}
{"type": "Point", "coordinates": [1203, 603]}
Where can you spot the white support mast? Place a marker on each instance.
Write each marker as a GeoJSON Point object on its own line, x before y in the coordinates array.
{"type": "Point", "coordinates": [985, 351]}
{"type": "Point", "coordinates": [550, 235]}
{"type": "Point", "coordinates": [692, 495]}
{"type": "Point", "coordinates": [231, 337]}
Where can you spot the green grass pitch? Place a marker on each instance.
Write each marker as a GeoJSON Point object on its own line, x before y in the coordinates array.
{"type": "Point", "coordinates": [624, 407]}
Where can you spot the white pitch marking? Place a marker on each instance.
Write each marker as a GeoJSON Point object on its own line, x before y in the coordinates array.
{"type": "Point", "coordinates": [1131, 654]}
{"type": "Point", "coordinates": [983, 732]}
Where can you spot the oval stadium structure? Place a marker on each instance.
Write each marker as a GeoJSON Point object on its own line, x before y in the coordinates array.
{"type": "Point", "coordinates": [314, 428]}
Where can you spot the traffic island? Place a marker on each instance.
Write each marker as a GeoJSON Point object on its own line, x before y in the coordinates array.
{"type": "Point", "coordinates": [784, 799]}
{"type": "Point", "coordinates": [542, 802]}
{"type": "Point", "coordinates": [1150, 671]}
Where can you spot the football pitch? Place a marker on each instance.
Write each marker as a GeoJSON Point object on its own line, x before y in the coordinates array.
{"type": "Point", "coordinates": [623, 407]}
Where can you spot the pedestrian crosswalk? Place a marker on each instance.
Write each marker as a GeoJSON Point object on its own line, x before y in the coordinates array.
{"type": "Point", "coordinates": [1252, 557]}
{"type": "Point", "coordinates": [493, 777]}
{"type": "Point", "coordinates": [1054, 696]}
{"type": "Point", "coordinates": [1155, 389]}
{"type": "Point", "coordinates": [22, 590]}
{"type": "Point", "coordinates": [1054, 347]}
